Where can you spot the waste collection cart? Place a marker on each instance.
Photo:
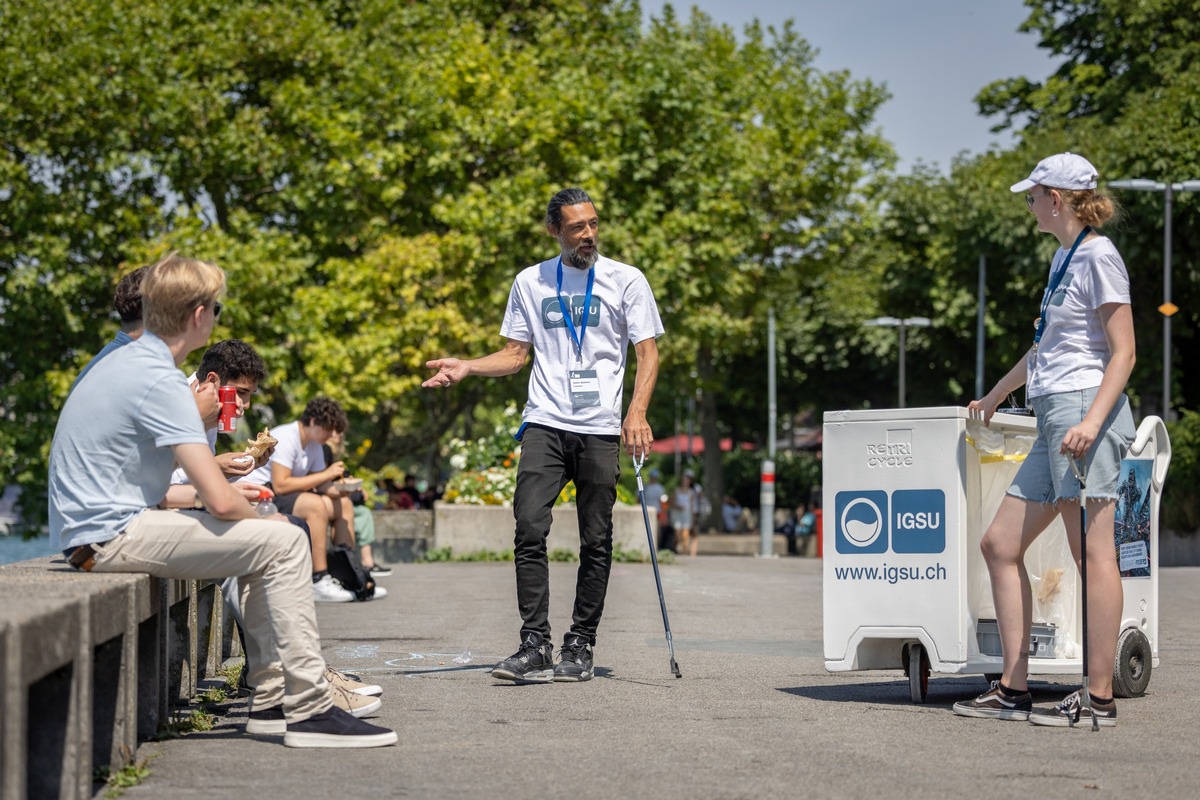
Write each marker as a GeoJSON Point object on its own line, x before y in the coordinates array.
{"type": "Point", "coordinates": [907, 496]}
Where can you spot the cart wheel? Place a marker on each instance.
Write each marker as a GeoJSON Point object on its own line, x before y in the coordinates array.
{"type": "Point", "coordinates": [992, 676]}
{"type": "Point", "coordinates": [918, 673]}
{"type": "Point", "coordinates": [1131, 672]}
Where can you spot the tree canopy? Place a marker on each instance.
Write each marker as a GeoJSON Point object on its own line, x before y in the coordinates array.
{"type": "Point", "coordinates": [373, 174]}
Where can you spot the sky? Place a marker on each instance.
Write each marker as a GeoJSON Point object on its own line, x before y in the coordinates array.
{"type": "Point", "coordinates": [933, 55]}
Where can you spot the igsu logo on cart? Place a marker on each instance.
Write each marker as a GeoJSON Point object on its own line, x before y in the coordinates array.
{"type": "Point", "coordinates": [895, 451]}
{"type": "Point", "coordinates": [909, 521]}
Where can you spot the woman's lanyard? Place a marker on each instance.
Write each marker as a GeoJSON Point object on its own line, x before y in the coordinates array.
{"type": "Point", "coordinates": [587, 305]}
{"type": "Point", "coordinates": [1055, 280]}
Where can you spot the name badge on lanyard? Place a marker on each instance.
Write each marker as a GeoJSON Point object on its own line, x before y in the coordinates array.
{"type": "Point", "coordinates": [585, 389]}
{"type": "Point", "coordinates": [576, 337]}
{"type": "Point", "coordinates": [585, 383]}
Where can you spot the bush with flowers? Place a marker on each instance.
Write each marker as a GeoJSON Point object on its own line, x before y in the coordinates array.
{"type": "Point", "coordinates": [486, 468]}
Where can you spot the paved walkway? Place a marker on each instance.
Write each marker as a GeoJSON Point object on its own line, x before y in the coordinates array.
{"type": "Point", "coordinates": [754, 716]}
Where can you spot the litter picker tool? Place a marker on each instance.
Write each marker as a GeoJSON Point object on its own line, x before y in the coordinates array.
{"type": "Point", "coordinates": [662, 603]}
{"type": "Point", "coordinates": [1085, 696]}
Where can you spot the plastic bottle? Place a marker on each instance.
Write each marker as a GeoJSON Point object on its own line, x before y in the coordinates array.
{"type": "Point", "coordinates": [265, 507]}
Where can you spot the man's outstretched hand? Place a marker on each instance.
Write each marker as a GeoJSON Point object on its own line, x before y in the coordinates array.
{"type": "Point", "coordinates": [449, 372]}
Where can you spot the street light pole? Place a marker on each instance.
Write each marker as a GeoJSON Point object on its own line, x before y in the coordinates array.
{"type": "Point", "coordinates": [902, 324]}
{"type": "Point", "coordinates": [1167, 308]}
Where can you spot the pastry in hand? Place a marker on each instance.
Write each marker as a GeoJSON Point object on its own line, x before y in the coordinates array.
{"type": "Point", "coordinates": [261, 446]}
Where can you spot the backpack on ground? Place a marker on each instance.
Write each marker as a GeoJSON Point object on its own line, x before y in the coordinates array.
{"type": "Point", "coordinates": [345, 566]}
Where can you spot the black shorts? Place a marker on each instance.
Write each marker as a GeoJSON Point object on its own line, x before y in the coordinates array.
{"type": "Point", "coordinates": [284, 503]}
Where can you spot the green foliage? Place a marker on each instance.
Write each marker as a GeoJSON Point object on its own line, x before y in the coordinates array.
{"type": "Point", "coordinates": [438, 554]}
{"type": "Point", "coordinates": [558, 554]}
{"type": "Point", "coordinates": [1180, 511]}
{"type": "Point", "coordinates": [1131, 109]}
{"type": "Point", "coordinates": [130, 775]}
{"type": "Point", "coordinates": [213, 695]}
{"type": "Point", "coordinates": [369, 223]}
{"type": "Point", "coordinates": [797, 474]}
{"type": "Point", "coordinates": [198, 721]}
{"type": "Point", "coordinates": [232, 673]}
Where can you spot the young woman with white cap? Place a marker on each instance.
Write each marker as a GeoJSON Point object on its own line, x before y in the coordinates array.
{"type": "Point", "coordinates": [1075, 375]}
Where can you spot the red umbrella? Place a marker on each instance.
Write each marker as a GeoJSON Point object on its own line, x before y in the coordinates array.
{"type": "Point", "coordinates": [671, 443]}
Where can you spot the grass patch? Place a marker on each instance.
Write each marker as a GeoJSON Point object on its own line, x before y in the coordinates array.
{"type": "Point", "coordinates": [129, 775]}
{"type": "Point", "coordinates": [559, 554]}
{"type": "Point", "coordinates": [232, 673]}
{"type": "Point", "coordinates": [447, 554]}
{"type": "Point", "coordinates": [214, 695]}
{"type": "Point", "coordinates": [198, 721]}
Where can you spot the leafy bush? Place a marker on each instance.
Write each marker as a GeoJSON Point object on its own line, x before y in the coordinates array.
{"type": "Point", "coordinates": [796, 474]}
{"type": "Point", "coordinates": [1180, 503]}
{"type": "Point", "coordinates": [558, 554]}
{"type": "Point", "coordinates": [495, 486]}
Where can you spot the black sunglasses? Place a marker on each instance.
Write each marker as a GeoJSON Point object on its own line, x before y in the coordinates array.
{"type": "Point", "coordinates": [217, 309]}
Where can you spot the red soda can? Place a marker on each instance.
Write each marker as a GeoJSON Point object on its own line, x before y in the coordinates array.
{"type": "Point", "coordinates": [227, 422]}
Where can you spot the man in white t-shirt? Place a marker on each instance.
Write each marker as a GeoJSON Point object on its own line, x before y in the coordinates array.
{"type": "Point", "coordinates": [579, 312]}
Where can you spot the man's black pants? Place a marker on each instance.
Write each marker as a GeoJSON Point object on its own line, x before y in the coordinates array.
{"type": "Point", "coordinates": [551, 458]}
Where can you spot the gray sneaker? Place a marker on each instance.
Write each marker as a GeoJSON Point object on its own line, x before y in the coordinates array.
{"type": "Point", "coordinates": [995, 704]}
{"type": "Point", "coordinates": [574, 660]}
{"type": "Point", "coordinates": [533, 663]}
{"type": "Point", "coordinates": [1071, 713]}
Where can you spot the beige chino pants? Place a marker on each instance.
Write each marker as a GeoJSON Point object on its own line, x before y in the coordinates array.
{"type": "Point", "coordinates": [271, 560]}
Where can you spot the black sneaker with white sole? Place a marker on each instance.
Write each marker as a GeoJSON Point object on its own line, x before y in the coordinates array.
{"type": "Point", "coordinates": [268, 721]}
{"type": "Point", "coordinates": [336, 728]}
{"type": "Point", "coordinates": [996, 704]}
{"type": "Point", "coordinates": [1071, 711]}
{"type": "Point", "coordinates": [533, 663]}
{"type": "Point", "coordinates": [574, 660]}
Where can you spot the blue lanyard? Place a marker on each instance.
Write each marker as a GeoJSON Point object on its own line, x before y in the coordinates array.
{"type": "Point", "coordinates": [1055, 280]}
{"type": "Point", "coordinates": [566, 310]}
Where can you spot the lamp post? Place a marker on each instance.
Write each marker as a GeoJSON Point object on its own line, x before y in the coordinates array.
{"type": "Point", "coordinates": [1167, 308]}
{"type": "Point", "coordinates": [902, 324]}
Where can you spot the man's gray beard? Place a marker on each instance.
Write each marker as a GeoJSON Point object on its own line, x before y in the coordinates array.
{"type": "Point", "coordinates": [572, 256]}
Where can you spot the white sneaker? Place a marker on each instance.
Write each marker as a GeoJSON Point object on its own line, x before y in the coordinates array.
{"type": "Point", "coordinates": [380, 593]}
{"type": "Point", "coordinates": [329, 590]}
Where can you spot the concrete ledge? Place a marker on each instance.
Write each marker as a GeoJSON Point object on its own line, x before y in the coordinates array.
{"type": "Point", "coordinates": [1178, 551]}
{"type": "Point", "coordinates": [467, 529]}
{"type": "Point", "coordinates": [90, 663]}
{"type": "Point", "coordinates": [402, 536]}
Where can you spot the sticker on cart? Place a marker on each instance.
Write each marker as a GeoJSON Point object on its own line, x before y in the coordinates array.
{"type": "Point", "coordinates": [861, 522]}
{"type": "Point", "coordinates": [1131, 525]}
{"type": "Point", "coordinates": [918, 521]}
{"type": "Point", "coordinates": [1134, 556]}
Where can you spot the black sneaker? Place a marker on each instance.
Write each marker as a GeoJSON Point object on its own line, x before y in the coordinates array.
{"type": "Point", "coordinates": [268, 721]}
{"type": "Point", "coordinates": [995, 704]}
{"type": "Point", "coordinates": [533, 663]}
{"type": "Point", "coordinates": [574, 660]}
{"type": "Point", "coordinates": [1071, 712]}
{"type": "Point", "coordinates": [378, 570]}
{"type": "Point", "coordinates": [336, 728]}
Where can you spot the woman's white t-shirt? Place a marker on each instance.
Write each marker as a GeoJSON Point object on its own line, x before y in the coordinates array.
{"type": "Point", "coordinates": [1074, 351]}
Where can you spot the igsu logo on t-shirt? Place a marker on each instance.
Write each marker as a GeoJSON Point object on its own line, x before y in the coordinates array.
{"type": "Point", "coordinates": [552, 316]}
{"type": "Point", "coordinates": [909, 521]}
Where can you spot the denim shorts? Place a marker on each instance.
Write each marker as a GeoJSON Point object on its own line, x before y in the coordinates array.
{"type": "Point", "coordinates": [1046, 475]}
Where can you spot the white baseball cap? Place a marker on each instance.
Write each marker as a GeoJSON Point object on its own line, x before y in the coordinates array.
{"type": "Point", "coordinates": [1061, 171]}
